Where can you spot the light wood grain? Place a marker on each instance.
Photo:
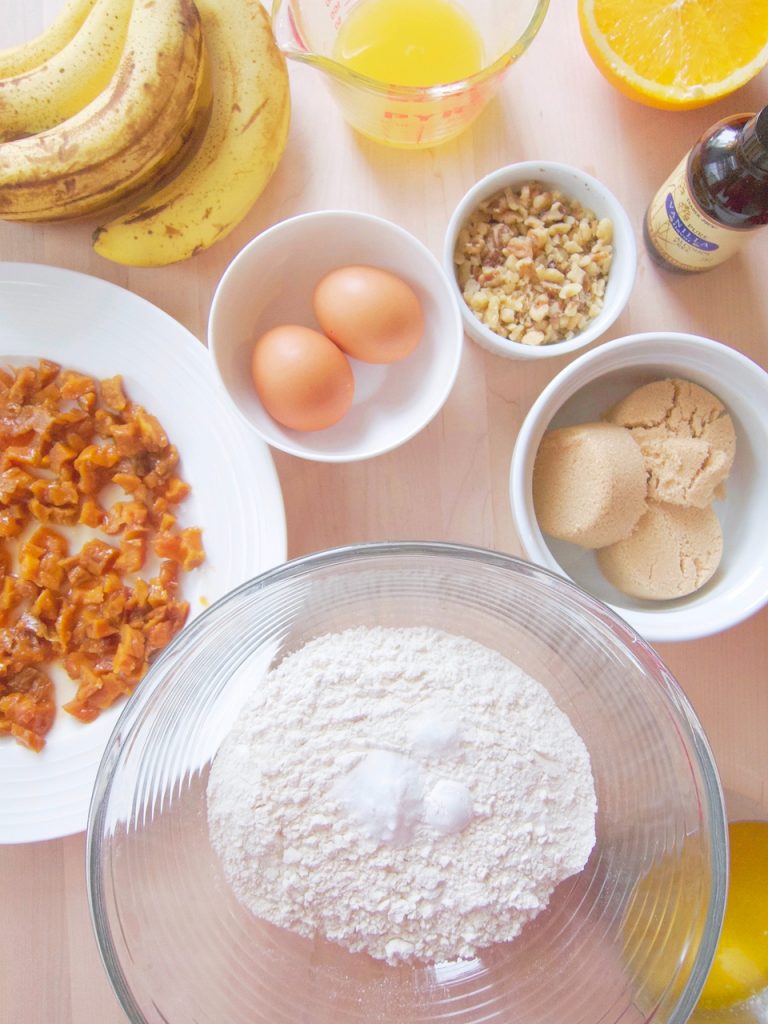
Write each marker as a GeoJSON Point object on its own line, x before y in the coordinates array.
{"type": "Point", "coordinates": [450, 482]}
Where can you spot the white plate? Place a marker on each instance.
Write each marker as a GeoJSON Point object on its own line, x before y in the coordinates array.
{"type": "Point", "coordinates": [88, 324]}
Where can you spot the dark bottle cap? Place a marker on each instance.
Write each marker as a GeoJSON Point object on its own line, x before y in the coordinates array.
{"type": "Point", "coordinates": [754, 140]}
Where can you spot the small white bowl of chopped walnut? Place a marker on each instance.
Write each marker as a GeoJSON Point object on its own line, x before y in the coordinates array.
{"type": "Point", "coordinates": [543, 258]}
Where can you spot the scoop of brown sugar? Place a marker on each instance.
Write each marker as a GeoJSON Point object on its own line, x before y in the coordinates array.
{"type": "Point", "coordinates": [686, 436]}
{"type": "Point", "coordinates": [685, 471]}
{"type": "Point", "coordinates": [672, 552]}
{"type": "Point", "coordinates": [589, 484]}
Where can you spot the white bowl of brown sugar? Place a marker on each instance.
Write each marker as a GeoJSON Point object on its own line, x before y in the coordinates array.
{"type": "Point", "coordinates": [639, 474]}
{"type": "Point", "coordinates": [542, 257]}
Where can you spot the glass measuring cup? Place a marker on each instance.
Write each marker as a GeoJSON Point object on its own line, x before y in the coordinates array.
{"type": "Point", "coordinates": [407, 116]}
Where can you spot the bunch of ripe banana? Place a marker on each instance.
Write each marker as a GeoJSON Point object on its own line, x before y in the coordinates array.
{"type": "Point", "coordinates": [173, 112]}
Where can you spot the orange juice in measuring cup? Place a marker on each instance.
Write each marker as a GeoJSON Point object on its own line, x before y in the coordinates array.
{"type": "Point", "coordinates": [409, 73]}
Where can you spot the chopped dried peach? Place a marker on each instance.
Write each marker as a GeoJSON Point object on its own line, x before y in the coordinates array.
{"type": "Point", "coordinates": [176, 491]}
{"type": "Point", "coordinates": [113, 395]}
{"type": "Point", "coordinates": [14, 484]}
{"type": "Point", "coordinates": [92, 514]}
{"type": "Point", "coordinates": [64, 437]}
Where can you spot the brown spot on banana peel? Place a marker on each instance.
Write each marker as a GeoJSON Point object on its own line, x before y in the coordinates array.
{"type": "Point", "coordinates": [254, 116]}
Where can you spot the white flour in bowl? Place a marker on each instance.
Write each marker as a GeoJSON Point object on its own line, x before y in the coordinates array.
{"type": "Point", "coordinates": [404, 792]}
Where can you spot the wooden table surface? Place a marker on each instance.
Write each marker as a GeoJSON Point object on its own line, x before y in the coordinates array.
{"type": "Point", "coordinates": [450, 482]}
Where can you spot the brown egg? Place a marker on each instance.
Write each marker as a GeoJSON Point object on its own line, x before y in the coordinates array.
{"type": "Point", "coordinates": [371, 314]}
{"type": "Point", "coordinates": [303, 380]}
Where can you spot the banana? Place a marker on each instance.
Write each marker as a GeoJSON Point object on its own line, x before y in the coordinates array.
{"type": "Point", "coordinates": [243, 143]}
{"type": "Point", "coordinates": [16, 60]}
{"type": "Point", "coordinates": [68, 81]}
{"type": "Point", "coordinates": [121, 138]}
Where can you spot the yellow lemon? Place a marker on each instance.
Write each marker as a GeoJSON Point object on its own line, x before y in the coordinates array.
{"type": "Point", "coordinates": [740, 967]}
{"type": "Point", "coordinates": [663, 925]}
{"type": "Point", "coordinates": [676, 54]}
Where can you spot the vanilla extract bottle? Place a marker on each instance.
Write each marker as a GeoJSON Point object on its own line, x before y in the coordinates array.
{"type": "Point", "coordinates": [714, 198]}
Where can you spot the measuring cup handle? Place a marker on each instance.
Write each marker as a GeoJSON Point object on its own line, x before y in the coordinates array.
{"type": "Point", "coordinates": [284, 28]}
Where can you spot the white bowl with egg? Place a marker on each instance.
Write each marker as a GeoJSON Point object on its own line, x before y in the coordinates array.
{"type": "Point", "coordinates": [271, 282]}
{"type": "Point", "coordinates": [583, 393]}
{"type": "Point", "coordinates": [591, 195]}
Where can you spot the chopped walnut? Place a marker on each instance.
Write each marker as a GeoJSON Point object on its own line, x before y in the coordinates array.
{"type": "Point", "coordinates": [533, 264]}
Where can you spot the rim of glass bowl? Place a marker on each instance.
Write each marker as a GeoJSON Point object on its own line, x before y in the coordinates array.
{"type": "Point", "coordinates": [130, 719]}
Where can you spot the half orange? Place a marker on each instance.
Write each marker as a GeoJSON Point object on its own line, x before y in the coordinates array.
{"type": "Point", "coordinates": [676, 54]}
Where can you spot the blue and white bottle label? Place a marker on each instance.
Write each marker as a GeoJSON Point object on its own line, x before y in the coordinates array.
{"type": "Point", "coordinates": [681, 232]}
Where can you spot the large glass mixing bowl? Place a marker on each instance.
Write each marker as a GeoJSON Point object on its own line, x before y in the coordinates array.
{"type": "Point", "coordinates": [630, 938]}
